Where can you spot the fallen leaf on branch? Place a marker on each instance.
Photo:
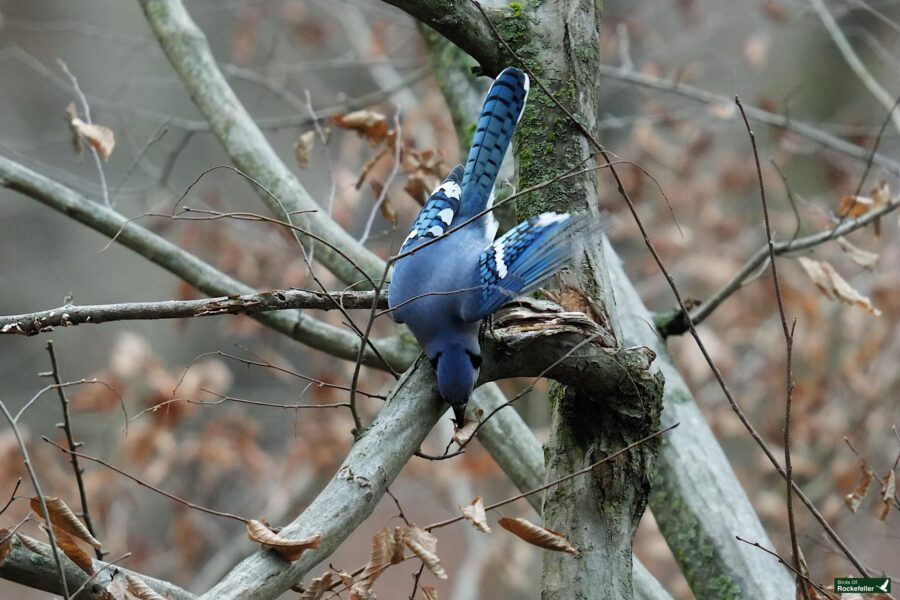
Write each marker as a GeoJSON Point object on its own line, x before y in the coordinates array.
{"type": "Point", "coordinates": [855, 206]}
{"type": "Point", "coordinates": [424, 545]}
{"type": "Point", "coordinates": [317, 587]}
{"type": "Point", "coordinates": [855, 498]}
{"type": "Point", "coordinates": [888, 489]}
{"type": "Point", "coordinates": [62, 516]}
{"type": "Point", "coordinates": [538, 536]}
{"type": "Point", "coordinates": [474, 513]}
{"type": "Point", "coordinates": [70, 548]}
{"type": "Point", "coordinates": [863, 258]}
{"type": "Point", "coordinates": [140, 589]}
{"type": "Point", "coordinates": [303, 148]}
{"type": "Point", "coordinates": [102, 139]}
{"type": "Point", "coordinates": [367, 123]}
{"type": "Point", "coordinates": [833, 286]}
{"type": "Point", "coordinates": [287, 548]}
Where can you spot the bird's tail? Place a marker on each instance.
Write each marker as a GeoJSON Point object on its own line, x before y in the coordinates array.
{"type": "Point", "coordinates": [501, 112]}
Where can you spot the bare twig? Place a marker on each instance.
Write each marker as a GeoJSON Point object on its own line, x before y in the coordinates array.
{"type": "Point", "coordinates": [796, 570]}
{"type": "Point", "coordinates": [99, 572]}
{"type": "Point", "coordinates": [66, 426]}
{"type": "Point", "coordinates": [12, 496]}
{"type": "Point", "coordinates": [789, 345]}
{"type": "Point", "coordinates": [587, 469]}
{"type": "Point", "coordinates": [43, 502]}
{"type": "Point", "coordinates": [149, 486]}
{"type": "Point", "coordinates": [382, 195]}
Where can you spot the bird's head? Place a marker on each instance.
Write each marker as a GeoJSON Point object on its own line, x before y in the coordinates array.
{"type": "Point", "coordinates": [457, 372]}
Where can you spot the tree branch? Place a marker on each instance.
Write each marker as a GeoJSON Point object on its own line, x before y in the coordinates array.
{"type": "Point", "coordinates": [188, 51]}
{"type": "Point", "coordinates": [209, 280]}
{"type": "Point", "coordinates": [36, 570]}
{"type": "Point", "coordinates": [406, 418]}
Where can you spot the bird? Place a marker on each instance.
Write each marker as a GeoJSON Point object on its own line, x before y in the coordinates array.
{"type": "Point", "coordinates": [450, 272]}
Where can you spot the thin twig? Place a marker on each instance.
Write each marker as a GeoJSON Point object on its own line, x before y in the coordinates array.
{"type": "Point", "coordinates": [382, 195]}
{"type": "Point", "coordinates": [98, 572]}
{"type": "Point", "coordinates": [66, 426]}
{"type": "Point", "coordinates": [789, 345]}
{"type": "Point", "coordinates": [795, 570]}
{"type": "Point", "coordinates": [681, 304]}
{"type": "Point", "coordinates": [143, 483]}
{"type": "Point", "coordinates": [43, 502]}
{"type": "Point", "coordinates": [587, 469]}
{"type": "Point", "coordinates": [12, 496]}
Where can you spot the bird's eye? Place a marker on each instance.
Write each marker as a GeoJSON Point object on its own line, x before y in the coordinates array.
{"type": "Point", "coordinates": [475, 358]}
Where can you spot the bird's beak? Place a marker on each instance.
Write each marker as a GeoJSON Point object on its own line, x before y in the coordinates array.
{"type": "Point", "coordinates": [459, 414]}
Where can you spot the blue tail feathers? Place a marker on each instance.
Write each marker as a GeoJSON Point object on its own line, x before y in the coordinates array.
{"type": "Point", "coordinates": [440, 208]}
{"type": "Point", "coordinates": [501, 112]}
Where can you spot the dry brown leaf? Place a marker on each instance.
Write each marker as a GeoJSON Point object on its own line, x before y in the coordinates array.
{"type": "Point", "coordinates": [317, 587]}
{"type": "Point", "coordinates": [855, 206]}
{"type": "Point", "coordinates": [303, 148]}
{"type": "Point", "coordinates": [855, 498]}
{"type": "Point", "coordinates": [140, 589]}
{"type": "Point", "coordinates": [5, 543]}
{"type": "Point", "coordinates": [63, 517]}
{"type": "Point", "coordinates": [367, 123]}
{"type": "Point", "coordinates": [31, 543]}
{"type": "Point", "coordinates": [881, 196]}
{"type": "Point", "coordinates": [418, 187]}
{"type": "Point", "coordinates": [101, 138]}
{"type": "Point", "coordinates": [429, 592]}
{"type": "Point", "coordinates": [358, 592]}
{"type": "Point", "coordinates": [424, 545]}
{"type": "Point", "coordinates": [534, 534]}
{"type": "Point", "coordinates": [833, 286]}
{"type": "Point", "coordinates": [385, 544]}
{"type": "Point", "coordinates": [474, 513]}
{"type": "Point", "coordinates": [386, 208]}
{"type": "Point", "coordinates": [370, 164]}
{"type": "Point", "coordinates": [863, 258]}
{"type": "Point", "coordinates": [888, 489]}
{"type": "Point", "coordinates": [465, 433]}
{"type": "Point", "coordinates": [288, 548]}
{"type": "Point", "coordinates": [70, 548]}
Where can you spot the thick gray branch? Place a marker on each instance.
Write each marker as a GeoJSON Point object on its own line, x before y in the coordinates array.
{"type": "Point", "coordinates": [527, 344]}
{"type": "Point", "coordinates": [70, 315]}
{"type": "Point", "coordinates": [209, 280]}
{"type": "Point", "coordinates": [696, 499]}
{"type": "Point", "coordinates": [37, 570]}
{"type": "Point", "coordinates": [461, 23]}
{"type": "Point", "coordinates": [187, 49]}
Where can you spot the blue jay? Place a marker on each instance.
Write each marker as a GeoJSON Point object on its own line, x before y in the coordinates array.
{"type": "Point", "coordinates": [443, 291]}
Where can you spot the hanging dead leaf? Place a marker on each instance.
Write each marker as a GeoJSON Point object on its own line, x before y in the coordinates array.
{"type": "Point", "coordinates": [536, 535]}
{"type": "Point", "coordinates": [317, 587]}
{"type": "Point", "coordinates": [465, 433]}
{"type": "Point", "coordinates": [139, 588]}
{"type": "Point", "coordinates": [881, 196]}
{"type": "Point", "coordinates": [424, 545]}
{"type": "Point", "coordinates": [63, 517]}
{"type": "Point", "coordinates": [863, 258]}
{"type": "Point", "coordinates": [474, 513]}
{"type": "Point", "coordinates": [888, 489]}
{"type": "Point", "coordinates": [429, 592]}
{"type": "Point", "coordinates": [386, 208]}
{"type": "Point", "coordinates": [303, 148]}
{"type": "Point", "coordinates": [833, 286]}
{"type": "Point", "coordinates": [70, 548]}
{"type": "Point", "coordinates": [288, 548]}
{"type": "Point", "coordinates": [370, 164]}
{"type": "Point", "coordinates": [367, 123]}
{"type": "Point", "coordinates": [99, 137]}
{"type": "Point", "coordinates": [855, 498]}
{"type": "Point", "coordinates": [855, 206]}
{"type": "Point", "coordinates": [358, 592]}
{"type": "Point", "coordinates": [384, 553]}
{"type": "Point", "coordinates": [418, 187]}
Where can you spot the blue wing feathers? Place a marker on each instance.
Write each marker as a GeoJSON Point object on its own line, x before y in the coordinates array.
{"type": "Point", "coordinates": [440, 208]}
{"type": "Point", "coordinates": [525, 256]}
{"type": "Point", "coordinates": [501, 112]}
